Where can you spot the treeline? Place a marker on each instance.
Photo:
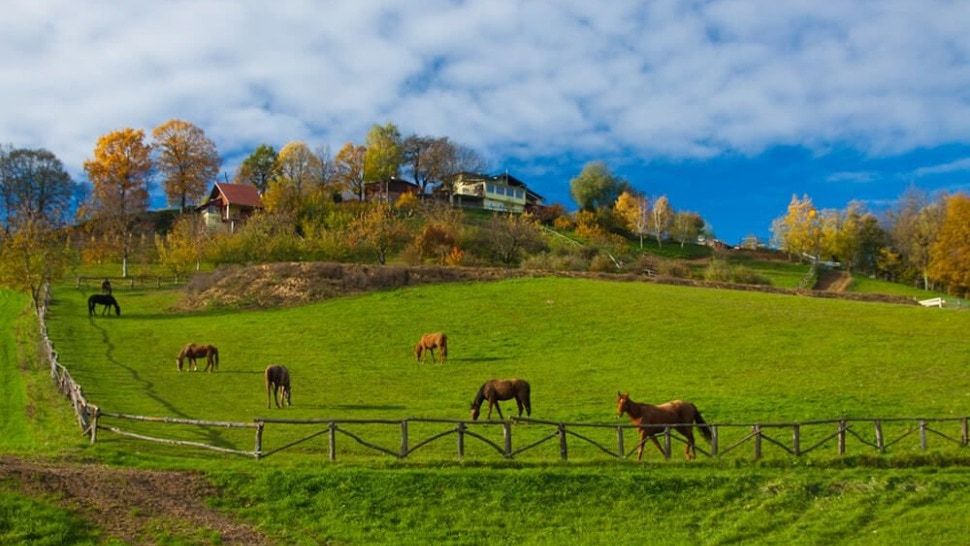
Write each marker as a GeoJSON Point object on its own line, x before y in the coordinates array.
{"type": "Point", "coordinates": [920, 241]}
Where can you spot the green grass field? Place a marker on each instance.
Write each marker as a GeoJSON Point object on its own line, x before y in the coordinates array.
{"type": "Point", "coordinates": [739, 356]}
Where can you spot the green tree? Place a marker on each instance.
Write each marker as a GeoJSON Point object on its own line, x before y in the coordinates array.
{"type": "Point", "coordinates": [595, 186]}
{"type": "Point", "coordinates": [33, 187]}
{"type": "Point", "coordinates": [186, 159]}
{"type": "Point", "coordinates": [384, 154]}
{"type": "Point", "coordinates": [259, 168]}
{"type": "Point", "coordinates": [686, 226]}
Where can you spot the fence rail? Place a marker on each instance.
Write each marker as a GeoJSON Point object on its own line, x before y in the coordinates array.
{"type": "Point", "coordinates": [90, 420]}
{"type": "Point", "coordinates": [131, 281]}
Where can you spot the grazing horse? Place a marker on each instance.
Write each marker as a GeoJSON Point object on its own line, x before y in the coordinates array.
{"type": "Point", "coordinates": [430, 342]}
{"type": "Point", "coordinates": [107, 300]}
{"type": "Point", "coordinates": [193, 351]}
{"type": "Point", "coordinates": [494, 390]}
{"type": "Point", "coordinates": [278, 379]}
{"type": "Point", "coordinates": [675, 412]}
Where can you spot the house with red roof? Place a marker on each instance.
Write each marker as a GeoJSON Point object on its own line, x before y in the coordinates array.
{"type": "Point", "coordinates": [229, 205]}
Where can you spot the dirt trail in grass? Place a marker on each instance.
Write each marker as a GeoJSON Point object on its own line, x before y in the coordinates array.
{"type": "Point", "coordinates": [132, 504]}
{"type": "Point", "coordinates": [834, 281]}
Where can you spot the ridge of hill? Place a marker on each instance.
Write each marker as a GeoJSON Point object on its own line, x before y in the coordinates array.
{"type": "Point", "coordinates": [295, 283]}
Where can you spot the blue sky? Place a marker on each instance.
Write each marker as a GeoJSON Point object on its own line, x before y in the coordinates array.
{"type": "Point", "coordinates": [728, 107]}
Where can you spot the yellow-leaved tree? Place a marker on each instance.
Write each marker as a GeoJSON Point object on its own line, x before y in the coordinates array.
{"type": "Point", "coordinates": [349, 166]}
{"type": "Point", "coordinates": [661, 216]}
{"type": "Point", "coordinates": [186, 159]}
{"type": "Point", "coordinates": [634, 209]}
{"type": "Point", "coordinates": [119, 172]}
{"type": "Point", "coordinates": [950, 254]}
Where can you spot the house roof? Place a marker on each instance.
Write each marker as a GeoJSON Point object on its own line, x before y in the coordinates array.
{"type": "Point", "coordinates": [238, 194]}
{"type": "Point", "coordinates": [393, 182]}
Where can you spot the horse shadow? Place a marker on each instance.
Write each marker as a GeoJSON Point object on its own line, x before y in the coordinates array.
{"type": "Point", "coordinates": [479, 359]}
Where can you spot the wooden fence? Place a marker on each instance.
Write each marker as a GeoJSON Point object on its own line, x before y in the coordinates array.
{"type": "Point", "coordinates": [786, 437]}
{"type": "Point", "coordinates": [130, 282]}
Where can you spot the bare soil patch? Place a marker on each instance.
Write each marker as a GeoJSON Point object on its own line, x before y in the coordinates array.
{"type": "Point", "coordinates": [129, 504]}
{"type": "Point", "coordinates": [834, 281]}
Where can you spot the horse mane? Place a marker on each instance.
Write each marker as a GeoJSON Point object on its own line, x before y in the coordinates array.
{"type": "Point", "coordinates": [480, 396]}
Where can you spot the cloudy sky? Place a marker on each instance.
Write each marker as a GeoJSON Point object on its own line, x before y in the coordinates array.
{"type": "Point", "coordinates": [728, 107]}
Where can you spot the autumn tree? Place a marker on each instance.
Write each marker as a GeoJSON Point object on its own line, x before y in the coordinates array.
{"type": "Point", "coordinates": [428, 159]}
{"type": "Point", "coordinates": [349, 166]}
{"type": "Point", "coordinates": [119, 171]}
{"type": "Point", "coordinates": [634, 210]}
{"type": "Point", "coordinates": [915, 222]}
{"type": "Point", "coordinates": [259, 168]}
{"type": "Point", "coordinates": [183, 246]}
{"type": "Point", "coordinates": [661, 216]}
{"type": "Point", "coordinates": [379, 229]}
{"type": "Point", "coordinates": [686, 226]}
{"type": "Point", "coordinates": [506, 237]}
{"type": "Point", "coordinates": [186, 159]}
{"type": "Point", "coordinates": [36, 193]}
{"type": "Point", "coordinates": [950, 253]}
{"type": "Point", "coordinates": [295, 177]}
{"type": "Point", "coordinates": [799, 230]}
{"type": "Point", "coordinates": [382, 159]}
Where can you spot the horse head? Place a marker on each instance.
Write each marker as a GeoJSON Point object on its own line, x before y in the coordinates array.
{"type": "Point", "coordinates": [475, 411]}
{"type": "Point", "coordinates": [418, 349]}
{"type": "Point", "coordinates": [622, 400]}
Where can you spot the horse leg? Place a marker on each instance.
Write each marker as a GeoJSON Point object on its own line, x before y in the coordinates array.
{"type": "Point", "coordinates": [689, 452]}
{"type": "Point", "coordinates": [518, 402]}
{"type": "Point", "coordinates": [643, 441]}
{"type": "Point", "coordinates": [498, 408]}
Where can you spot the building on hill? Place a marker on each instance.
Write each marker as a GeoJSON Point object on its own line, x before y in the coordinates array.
{"type": "Point", "coordinates": [389, 190]}
{"type": "Point", "coordinates": [502, 193]}
{"type": "Point", "coordinates": [229, 205]}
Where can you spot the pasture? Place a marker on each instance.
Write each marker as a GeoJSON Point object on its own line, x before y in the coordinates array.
{"type": "Point", "coordinates": [739, 356]}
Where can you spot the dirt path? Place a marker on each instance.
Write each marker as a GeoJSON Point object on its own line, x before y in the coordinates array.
{"type": "Point", "coordinates": [131, 504]}
{"type": "Point", "coordinates": [834, 281]}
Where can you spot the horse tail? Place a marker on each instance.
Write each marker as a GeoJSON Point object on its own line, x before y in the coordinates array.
{"type": "Point", "coordinates": [444, 346]}
{"type": "Point", "coordinates": [215, 357]}
{"type": "Point", "coordinates": [705, 429]}
{"type": "Point", "coordinates": [527, 398]}
{"type": "Point", "coordinates": [90, 306]}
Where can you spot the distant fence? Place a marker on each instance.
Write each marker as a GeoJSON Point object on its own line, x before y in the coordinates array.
{"type": "Point", "coordinates": [787, 437]}
{"type": "Point", "coordinates": [130, 282]}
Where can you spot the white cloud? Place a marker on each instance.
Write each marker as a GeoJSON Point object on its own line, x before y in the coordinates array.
{"type": "Point", "coordinates": [953, 166]}
{"type": "Point", "coordinates": [662, 79]}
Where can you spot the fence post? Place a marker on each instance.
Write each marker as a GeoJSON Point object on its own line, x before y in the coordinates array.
{"type": "Point", "coordinates": [756, 430]}
{"type": "Point", "coordinates": [563, 451]}
{"type": "Point", "coordinates": [619, 442]}
{"type": "Point", "coordinates": [842, 437]}
{"type": "Point", "coordinates": [332, 433]}
{"type": "Point", "coordinates": [796, 440]}
{"type": "Point", "coordinates": [666, 442]}
{"type": "Point", "coordinates": [507, 435]}
{"type": "Point", "coordinates": [259, 439]}
{"type": "Point", "coordinates": [880, 439]}
{"type": "Point", "coordinates": [404, 439]}
{"type": "Point", "coordinates": [77, 283]}
{"type": "Point", "coordinates": [922, 435]}
{"type": "Point", "coordinates": [965, 432]}
{"type": "Point", "coordinates": [131, 283]}
{"type": "Point", "coordinates": [713, 441]}
{"type": "Point", "coordinates": [461, 440]}
{"type": "Point", "coordinates": [94, 423]}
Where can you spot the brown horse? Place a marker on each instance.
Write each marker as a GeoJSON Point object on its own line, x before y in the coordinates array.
{"type": "Point", "coordinates": [278, 379]}
{"type": "Point", "coordinates": [675, 412]}
{"type": "Point", "coordinates": [193, 351]}
{"type": "Point", "coordinates": [494, 390]}
{"type": "Point", "coordinates": [430, 342]}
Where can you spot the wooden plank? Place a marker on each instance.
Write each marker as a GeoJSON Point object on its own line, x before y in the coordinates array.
{"type": "Point", "coordinates": [180, 420]}
{"type": "Point", "coordinates": [507, 437]}
{"type": "Point", "coordinates": [922, 435]}
{"type": "Point", "coordinates": [259, 440]}
{"type": "Point", "coordinates": [714, 452]}
{"type": "Point", "coordinates": [461, 441]}
{"type": "Point", "coordinates": [332, 441]}
{"type": "Point", "coordinates": [841, 437]}
{"type": "Point", "coordinates": [796, 441]}
{"type": "Point", "coordinates": [756, 432]}
{"type": "Point", "coordinates": [180, 443]}
{"type": "Point", "coordinates": [404, 439]}
{"type": "Point", "coordinates": [619, 441]}
{"type": "Point", "coordinates": [880, 439]}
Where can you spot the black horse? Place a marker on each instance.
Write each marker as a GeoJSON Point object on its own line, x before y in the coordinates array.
{"type": "Point", "coordinates": [106, 300]}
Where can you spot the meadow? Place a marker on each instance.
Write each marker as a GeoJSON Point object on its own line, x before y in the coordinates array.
{"type": "Point", "coordinates": [740, 356]}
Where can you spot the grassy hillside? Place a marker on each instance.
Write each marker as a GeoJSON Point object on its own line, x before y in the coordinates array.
{"type": "Point", "coordinates": [737, 355]}
{"type": "Point", "coordinates": [740, 357]}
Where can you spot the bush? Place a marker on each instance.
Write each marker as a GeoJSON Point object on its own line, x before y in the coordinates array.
{"type": "Point", "coordinates": [602, 263]}
{"type": "Point", "coordinates": [722, 271]}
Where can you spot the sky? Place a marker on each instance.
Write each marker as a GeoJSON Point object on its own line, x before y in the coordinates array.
{"type": "Point", "coordinates": [728, 107]}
